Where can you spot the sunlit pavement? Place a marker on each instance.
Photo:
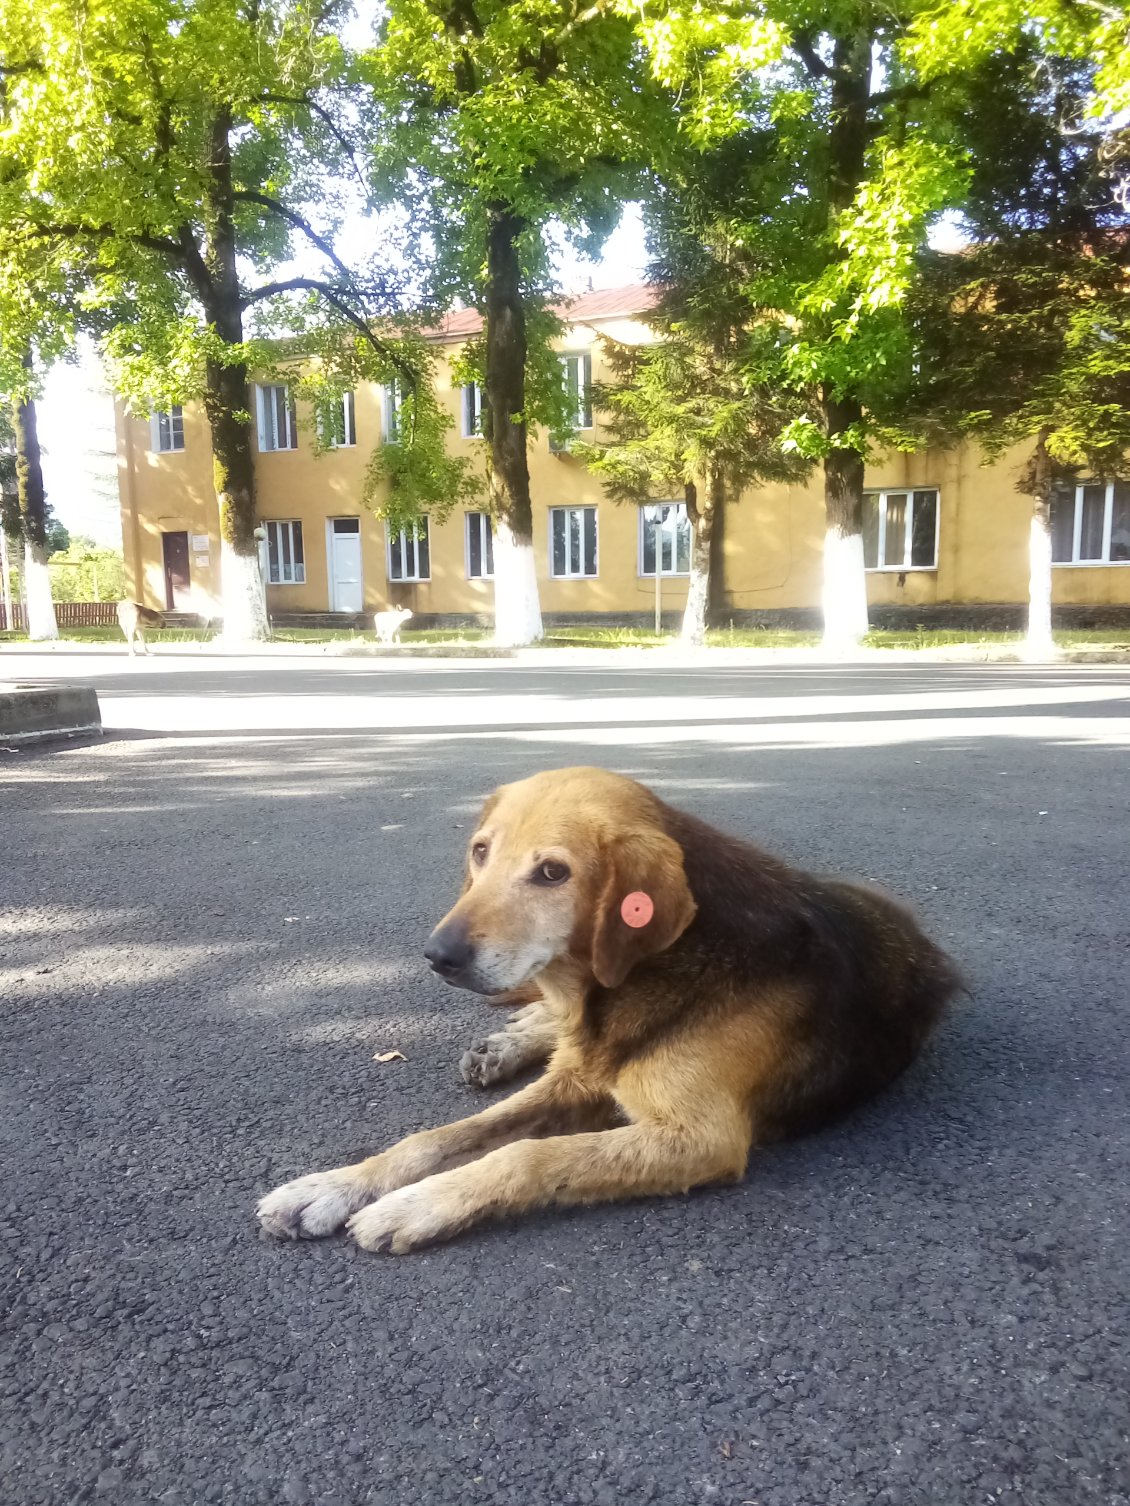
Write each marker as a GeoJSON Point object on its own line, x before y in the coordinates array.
{"type": "Point", "coordinates": [212, 921]}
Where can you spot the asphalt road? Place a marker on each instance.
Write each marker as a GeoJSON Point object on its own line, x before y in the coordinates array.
{"type": "Point", "coordinates": [212, 921]}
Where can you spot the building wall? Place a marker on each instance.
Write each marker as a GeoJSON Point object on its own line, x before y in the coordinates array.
{"type": "Point", "coordinates": [772, 545]}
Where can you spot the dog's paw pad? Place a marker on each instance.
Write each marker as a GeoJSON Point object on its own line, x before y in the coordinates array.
{"type": "Point", "coordinates": [484, 1065]}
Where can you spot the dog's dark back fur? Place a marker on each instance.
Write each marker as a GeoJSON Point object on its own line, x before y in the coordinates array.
{"type": "Point", "coordinates": [854, 985]}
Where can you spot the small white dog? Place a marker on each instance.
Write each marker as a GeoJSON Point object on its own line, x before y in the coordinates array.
{"type": "Point", "coordinates": [388, 624]}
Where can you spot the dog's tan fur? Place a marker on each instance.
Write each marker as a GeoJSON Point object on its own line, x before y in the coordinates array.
{"type": "Point", "coordinates": [758, 1002]}
{"type": "Point", "coordinates": [133, 619]}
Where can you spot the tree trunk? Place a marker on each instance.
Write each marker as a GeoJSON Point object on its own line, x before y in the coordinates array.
{"type": "Point", "coordinates": [716, 597]}
{"type": "Point", "coordinates": [844, 597]}
{"type": "Point", "coordinates": [41, 624]}
{"type": "Point", "coordinates": [227, 403]}
{"type": "Point", "coordinates": [1038, 482]}
{"type": "Point", "coordinates": [703, 516]}
{"type": "Point", "coordinates": [517, 611]}
{"type": "Point", "coordinates": [845, 584]}
{"type": "Point", "coordinates": [233, 464]}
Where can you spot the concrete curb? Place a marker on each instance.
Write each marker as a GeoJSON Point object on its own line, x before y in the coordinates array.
{"type": "Point", "coordinates": [34, 713]}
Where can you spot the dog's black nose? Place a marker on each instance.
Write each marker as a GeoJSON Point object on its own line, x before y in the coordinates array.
{"type": "Point", "coordinates": [448, 952]}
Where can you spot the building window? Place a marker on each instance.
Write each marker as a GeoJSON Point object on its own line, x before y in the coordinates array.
{"type": "Point", "coordinates": [408, 557]}
{"type": "Point", "coordinates": [341, 423]}
{"type": "Point", "coordinates": [286, 564]}
{"type": "Point", "coordinates": [472, 411]}
{"type": "Point", "coordinates": [578, 381]}
{"type": "Point", "coordinates": [1091, 524]}
{"type": "Point", "coordinates": [168, 431]}
{"type": "Point", "coordinates": [480, 546]}
{"type": "Point", "coordinates": [665, 529]}
{"type": "Point", "coordinates": [278, 426]}
{"type": "Point", "coordinates": [900, 530]}
{"type": "Point", "coordinates": [572, 541]}
{"type": "Point", "coordinates": [394, 399]}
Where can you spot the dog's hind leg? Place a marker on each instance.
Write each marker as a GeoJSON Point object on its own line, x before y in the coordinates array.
{"type": "Point", "coordinates": [527, 1041]}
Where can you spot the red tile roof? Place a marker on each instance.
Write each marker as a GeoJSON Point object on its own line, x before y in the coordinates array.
{"type": "Point", "coordinates": [606, 303]}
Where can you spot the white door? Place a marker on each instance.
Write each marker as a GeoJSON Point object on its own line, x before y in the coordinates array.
{"type": "Point", "coordinates": [347, 590]}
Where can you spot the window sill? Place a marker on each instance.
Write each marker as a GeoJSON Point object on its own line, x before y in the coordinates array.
{"type": "Point", "coordinates": [1089, 564]}
{"type": "Point", "coordinates": [409, 580]}
{"type": "Point", "coordinates": [666, 575]}
{"type": "Point", "coordinates": [274, 584]}
{"type": "Point", "coordinates": [574, 577]}
{"type": "Point", "coordinates": [900, 569]}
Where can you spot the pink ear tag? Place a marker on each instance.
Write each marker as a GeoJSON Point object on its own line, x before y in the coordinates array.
{"type": "Point", "coordinates": [637, 909]}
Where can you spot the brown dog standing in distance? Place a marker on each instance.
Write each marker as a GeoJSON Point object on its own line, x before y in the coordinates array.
{"type": "Point", "coordinates": [133, 618]}
{"type": "Point", "coordinates": [697, 997]}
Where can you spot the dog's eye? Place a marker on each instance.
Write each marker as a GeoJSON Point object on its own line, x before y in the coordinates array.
{"type": "Point", "coordinates": [479, 854]}
{"type": "Point", "coordinates": [550, 872]}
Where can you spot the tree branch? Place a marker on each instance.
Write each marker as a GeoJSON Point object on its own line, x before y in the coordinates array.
{"type": "Point", "coordinates": [900, 93]}
{"type": "Point", "coordinates": [805, 49]}
{"type": "Point", "coordinates": [76, 231]}
{"type": "Point", "coordinates": [252, 196]}
{"type": "Point", "coordinates": [328, 121]}
{"type": "Point", "coordinates": [335, 297]}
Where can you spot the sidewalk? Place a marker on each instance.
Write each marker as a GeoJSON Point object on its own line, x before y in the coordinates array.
{"type": "Point", "coordinates": [658, 657]}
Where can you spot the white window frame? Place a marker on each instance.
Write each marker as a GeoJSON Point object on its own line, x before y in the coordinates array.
{"type": "Point", "coordinates": [582, 417]}
{"type": "Point", "coordinates": [1105, 562]}
{"type": "Point", "coordinates": [576, 574]}
{"type": "Point", "coordinates": [472, 408]}
{"type": "Point", "coordinates": [347, 404]}
{"type": "Point", "coordinates": [680, 511]}
{"type": "Point", "coordinates": [297, 571]}
{"type": "Point", "coordinates": [393, 402]}
{"type": "Point", "coordinates": [906, 568]}
{"type": "Point", "coordinates": [481, 521]}
{"type": "Point", "coordinates": [168, 426]}
{"type": "Point", "coordinates": [265, 408]}
{"type": "Point", "coordinates": [409, 543]}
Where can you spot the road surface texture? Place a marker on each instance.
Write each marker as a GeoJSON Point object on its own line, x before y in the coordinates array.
{"type": "Point", "coordinates": [213, 922]}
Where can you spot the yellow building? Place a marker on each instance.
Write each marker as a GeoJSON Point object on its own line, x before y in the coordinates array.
{"type": "Point", "coordinates": [945, 537]}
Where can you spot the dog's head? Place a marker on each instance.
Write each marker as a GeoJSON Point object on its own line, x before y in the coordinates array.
{"type": "Point", "coordinates": [569, 865]}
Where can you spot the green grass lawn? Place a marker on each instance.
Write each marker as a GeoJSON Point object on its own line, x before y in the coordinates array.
{"type": "Point", "coordinates": [598, 637]}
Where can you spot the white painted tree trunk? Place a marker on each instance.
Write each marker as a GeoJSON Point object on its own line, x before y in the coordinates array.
{"type": "Point", "coordinates": [693, 631]}
{"type": "Point", "coordinates": [41, 624]}
{"type": "Point", "coordinates": [845, 591]}
{"type": "Point", "coordinates": [1039, 644]}
{"type": "Point", "coordinates": [242, 601]}
{"type": "Point", "coordinates": [517, 608]}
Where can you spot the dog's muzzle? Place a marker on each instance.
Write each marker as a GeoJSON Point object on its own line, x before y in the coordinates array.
{"type": "Point", "coordinates": [449, 952]}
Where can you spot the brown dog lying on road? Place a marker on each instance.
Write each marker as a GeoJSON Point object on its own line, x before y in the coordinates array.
{"type": "Point", "coordinates": [698, 997]}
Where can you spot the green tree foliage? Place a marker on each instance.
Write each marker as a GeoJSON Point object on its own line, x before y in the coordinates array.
{"type": "Point", "coordinates": [844, 158]}
{"type": "Point", "coordinates": [497, 118]}
{"type": "Point", "coordinates": [683, 415]}
{"type": "Point", "coordinates": [1025, 336]}
{"type": "Point", "coordinates": [178, 154]}
{"type": "Point", "coordinates": [82, 570]}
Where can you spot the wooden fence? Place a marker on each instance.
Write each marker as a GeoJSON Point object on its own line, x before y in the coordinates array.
{"type": "Point", "coordinates": [68, 614]}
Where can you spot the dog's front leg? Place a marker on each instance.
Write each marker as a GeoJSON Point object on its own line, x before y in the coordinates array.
{"type": "Point", "coordinates": [557, 1103]}
{"type": "Point", "coordinates": [636, 1160]}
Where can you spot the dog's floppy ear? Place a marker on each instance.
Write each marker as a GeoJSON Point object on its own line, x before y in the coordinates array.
{"type": "Point", "coordinates": [488, 805]}
{"type": "Point", "coordinates": [645, 904]}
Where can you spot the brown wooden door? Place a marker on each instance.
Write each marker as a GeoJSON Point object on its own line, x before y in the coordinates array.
{"type": "Point", "coordinates": [178, 586]}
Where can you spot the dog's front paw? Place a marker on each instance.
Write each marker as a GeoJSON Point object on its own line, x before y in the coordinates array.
{"type": "Point", "coordinates": [489, 1062]}
{"type": "Point", "coordinates": [404, 1220]}
{"type": "Point", "coordinates": [313, 1206]}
